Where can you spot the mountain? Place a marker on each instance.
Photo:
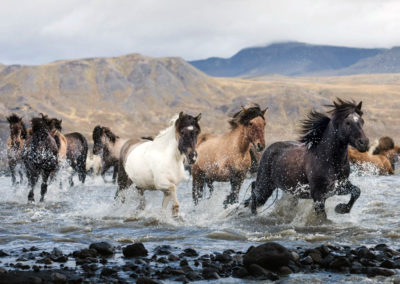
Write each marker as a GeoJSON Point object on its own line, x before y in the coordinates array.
{"type": "Point", "coordinates": [137, 95]}
{"type": "Point", "coordinates": [293, 59]}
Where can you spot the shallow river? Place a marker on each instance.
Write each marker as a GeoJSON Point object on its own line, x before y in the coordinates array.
{"type": "Point", "coordinates": [72, 218]}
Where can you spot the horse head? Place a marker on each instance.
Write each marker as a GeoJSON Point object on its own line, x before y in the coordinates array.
{"type": "Point", "coordinates": [17, 130]}
{"type": "Point", "coordinates": [187, 130]}
{"type": "Point", "coordinates": [102, 137]}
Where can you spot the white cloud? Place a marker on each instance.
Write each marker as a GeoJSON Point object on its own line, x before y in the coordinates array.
{"type": "Point", "coordinates": [33, 32]}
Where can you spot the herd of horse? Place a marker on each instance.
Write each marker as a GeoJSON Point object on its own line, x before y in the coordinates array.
{"type": "Point", "coordinates": [315, 167]}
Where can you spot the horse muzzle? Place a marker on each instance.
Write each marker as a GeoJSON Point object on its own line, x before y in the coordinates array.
{"type": "Point", "coordinates": [192, 157]}
{"type": "Point", "coordinates": [260, 147]}
{"type": "Point", "coordinates": [362, 144]}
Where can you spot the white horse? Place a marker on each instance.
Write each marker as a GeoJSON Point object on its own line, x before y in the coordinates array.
{"type": "Point", "coordinates": [159, 164]}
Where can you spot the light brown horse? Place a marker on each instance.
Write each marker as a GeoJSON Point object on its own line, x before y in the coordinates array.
{"type": "Point", "coordinates": [18, 135]}
{"type": "Point", "coordinates": [227, 157]}
{"type": "Point", "coordinates": [381, 162]}
{"type": "Point", "coordinates": [387, 148]}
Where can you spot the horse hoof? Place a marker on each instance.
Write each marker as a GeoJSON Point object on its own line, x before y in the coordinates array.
{"type": "Point", "coordinates": [342, 208]}
{"type": "Point", "coordinates": [31, 201]}
{"type": "Point", "coordinates": [41, 199]}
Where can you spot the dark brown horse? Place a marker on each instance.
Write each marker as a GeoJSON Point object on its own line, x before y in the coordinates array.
{"type": "Point", "coordinates": [72, 146]}
{"type": "Point", "coordinates": [108, 145]}
{"type": "Point", "coordinates": [318, 167]}
{"type": "Point", "coordinates": [18, 135]}
{"type": "Point", "coordinates": [40, 156]}
{"type": "Point", "coordinates": [227, 157]}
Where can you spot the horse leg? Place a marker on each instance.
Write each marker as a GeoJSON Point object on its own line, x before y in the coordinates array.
{"type": "Point", "coordinates": [104, 170]}
{"type": "Point", "coordinates": [115, 173]}
{"type": "Point", "coordinates": [210, 185]}
{"type": "Point", "coordinates": [32, 179]}
{"type": "Point", "coordinates": [197, 185]}
{"type": "Point", "coordinates": [233, 197]}
{"type": "Point", "coordinates": [319, 202]}
{"type": "Point", "coordinates": [166, 199]}
{"type": "Point", "coordinates": [259, 196]}
{"type": "Point", "coordinates": [43, 189]}
{"type": "Point", "coordinates": [175, 205]}
{"type": "Point", "coordinates": [81, 169]}
{"type": "Point", "coordinates": [347, 188]}
{"type": "Point", "coordinates": [142, 200]}
{"type": "Point", "coordinates": [12, 166]}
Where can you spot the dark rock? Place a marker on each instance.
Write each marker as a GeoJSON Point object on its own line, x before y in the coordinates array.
{"type": "Point", "coordinates": [35, 280]}
{"type": "Point", "coordinates": [224, 258]}
{"type": "Point", "coordinates": [173, 257]}
{"type": "Point", "coordinates": [102, 248]}
{"type": "Point", "coordinates": [285, 270]}
{"type": "Point", "coordinates": [381, 247]}
{"type": "Point", "coordinates": [239, 272]}
{"type": "Point", "coordinates": [356, 267]}
{"type": "Point", "coordinates": [190, 252]}
{"type": "Point", "coordinates": [315, 254]}
{"type": "Point", "coordinates": [327, 260]}
{"type": "Point", "coordinates": [388, 264]}
{"type": "Point", "coordinates": [2, 253]}
{"type": "Point", "coordinates": [162, 250]}
{"type": "Point", "coordinates": [162, 260]}
{"type": "Point", "coordinates": [143, 280]}
{"type": "Point", "coordinates": [85, 253]}
{"type": "Point", "coordinates": [135, 250]}
{"type": "Point", "coordinates": [324, 250]}
{"type": "Point", "coordinates": [210, 273]}
{"type": "Point", "coordinates": [269, 255]}
{"type": "Point", "coordinates": [375, 271]}
{"type": "Point", "coordinates": [262, 274]}
{"type": "Point", "coordinates": [364, 252]}
{"type": "Point", "coordinates": [59, 278]}
{"type": "Point", "coordinates": [35, 268]}
{"type": "Point", "coordinates": [193, 276]}
{"type": "Point", "coordinates": [306, 260]}
{"type": "Point", "coordinates": [339, 262]}
{"type": "Point", "coordinates": [183, 262]}
{"type": "Point", "coordinates": [106, 271]}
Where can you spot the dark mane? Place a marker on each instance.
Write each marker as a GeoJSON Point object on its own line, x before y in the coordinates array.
{"type": "Point", "coordinates": [341, 109]}
{"type": "Point", "coordinates": [39, 124]}
{"type": "Point", "coordinates": [245, 115]}
{"type": "Point", "coordinates": [97, 132]}
{"type": "Point", "coordinates": [110, 135]}
{"type": "Point", "coordinates": [52, 122]}
{"type": "Point", "coordinates": [13, 118]}
{"type": "Point", "coordinates": [313, 127]}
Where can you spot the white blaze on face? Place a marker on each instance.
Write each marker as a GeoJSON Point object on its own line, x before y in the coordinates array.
{"type": "Point", "coordinates": [356, 117]}
{"type": "Point", "coordinates": [190, 128]}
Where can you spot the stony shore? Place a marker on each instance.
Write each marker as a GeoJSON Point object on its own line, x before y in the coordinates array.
{"type": "Point", "coordinates": [103, 263]}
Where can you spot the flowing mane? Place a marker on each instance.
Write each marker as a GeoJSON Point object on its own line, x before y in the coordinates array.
{"type": "Point", "coordinates": [167, 130]}
{"type": "Point", "coordinates": [39, 124]}
{"type": "Point", "coordinates": [245, 115]}
{"type": "Point", "coordinates": [13, 118]}
{"type": "Point", "coordinates": [313, 127]}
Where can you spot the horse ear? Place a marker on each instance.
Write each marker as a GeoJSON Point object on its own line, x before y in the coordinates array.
{"type": "Point", "coordinates": [359, 105]}
{"type": "Point", "coordinates": [243, 108]}
{"type": "Point", "coordinates": [264, 111]}
{"type": "Point", "coordinates": [180, 115]}
{"type": "Point", "coordinates": [198, 117]}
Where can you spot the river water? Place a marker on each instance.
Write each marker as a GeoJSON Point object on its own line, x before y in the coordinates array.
{"type": "Point", "coordinates": [73, 217]}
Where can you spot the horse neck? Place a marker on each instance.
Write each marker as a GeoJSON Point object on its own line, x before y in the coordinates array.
{"type": "Point", "coordinates": [167, 142]}
{"type": "Point", "coordinates": [330, 147]}
{"type": "Point", "coordinates": [115, 148]}
{"type": "Point", "coordinates": [239, 140]}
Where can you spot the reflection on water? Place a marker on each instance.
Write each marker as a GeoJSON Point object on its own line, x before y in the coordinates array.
{"type": "Point", "coordinates": [74, 217]}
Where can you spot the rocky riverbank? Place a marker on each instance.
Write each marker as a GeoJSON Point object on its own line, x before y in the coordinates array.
{"type": "Point", "coordinates": [103, 263]}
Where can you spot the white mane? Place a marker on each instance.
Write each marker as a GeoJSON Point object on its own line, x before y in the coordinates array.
{"type": "Point", "coordinates": [167, 130]}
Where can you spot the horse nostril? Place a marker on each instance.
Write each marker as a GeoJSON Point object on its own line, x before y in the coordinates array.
{"type": "Point", "coordinates": [260, 147]}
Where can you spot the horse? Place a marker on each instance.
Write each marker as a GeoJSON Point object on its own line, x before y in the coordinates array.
{"type": "Point", "coordinates": [381, 162]}
{"type": "Point", "coordinates": [109, 146]}
{"type": "Point", "coordinates": [18, 135]}
{"type": "Point", "coordinates": [40, 156]}
{"type": "Point", "coordinates": [317, 166]}
{"type": "Point", "coordinates": [73, 148]}
{"type": "Point", "coordinates": [159, 164]}
{"type": "Point", "coordinates": [387, 148]}
{"type": "Point", "coordinates": [227, 157]}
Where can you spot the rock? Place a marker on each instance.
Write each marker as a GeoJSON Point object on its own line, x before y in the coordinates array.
{"type": "Point", "coordinates": [183, 262]}
{"type": "Point", "coordinates": [2, 253]}
{"type": "Point", "coordinates": [35, 280]}
{"type": "Point", "coordinates": [315, 255]}
{"type": "Point", "coordinates": [59, 278]}
{"type": "Point", "coordinates": [381, 247]}
{"type": "Point", "coordinates": [193, 276]}
{"type": "Point", "coordinates": [173, 257]}
{"type": "Point", "coordinates": [284, 270]}
{"type": "Point", "coordinates": [339, 262]}
{"type": "Point", "coordinates": [364, 252]}
{"type": "Point", "coordinates": [269, 255]}
{"type": "Point", "coordinates": [224, 258]}
{"type": "Point", "coordinates": [3, 270]}
{"type": "Point", "coordinates": [135, 250]}
{"type": "Point", "coordinates": [106, 271]}
{"type": "Point", "coordinates": [190, 252]}
{"type": "Point", "coordinates": [295, 256]}
{"type": "Point", "coordinates": [162, 260]}
{"type": "Point", "coordinates": [261, 274]}
{"type": "Point", "coordinates": [102, 248]}
{"type": "Point", "coordinates": [210, 273]}
{"type": "Point", "coordinates": [239, 272]}
{"type": "Point", "coordinates": [306, 260]}
{"type": "Point", "coordinates": [85, 253]}
{"type": "Point", "coordinates": [356, 267]}
{"type": "Point", "coordinates": [387, 264]}
{"type": "Point", "coordinates": [143, 280]}
{"type": "Point", "coordinates": [162, 250]}
{"type": "Point", "coordinates": [375, 271]}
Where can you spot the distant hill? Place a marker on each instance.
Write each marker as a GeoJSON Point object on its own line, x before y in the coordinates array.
{"type": "Point", "coordinates": [300, 59]}
{"type": "Point", "coordinates": [136, 96]}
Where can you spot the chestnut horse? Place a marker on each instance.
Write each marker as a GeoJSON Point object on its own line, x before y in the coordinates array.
{"type": "Point", "coordinates": [159, 164]}
{"type": "Point", "coordinates": [381, 162]}
{"type": "Point", "coordinates": [18, 135]}
{"type": "Point", "coordinates": [108, 145]}
{"type": "Point", "coordinates": [227, 157]}
{"type": "Point", "coordinates": [387, 148]}
{"type": "Point", "coordinates": [317, 167]}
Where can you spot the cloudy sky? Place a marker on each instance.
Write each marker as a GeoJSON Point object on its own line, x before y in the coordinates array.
{"type": "Point", "coordinates": [40, 31]}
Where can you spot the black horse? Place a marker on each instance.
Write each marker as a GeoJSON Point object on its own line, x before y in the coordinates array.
{"type": "Point", "coordinates": [318, 167]}
{"type": "Point", "coordinates": [40, 156]}
{"type": "Point", "coordinates": [77, 148]}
